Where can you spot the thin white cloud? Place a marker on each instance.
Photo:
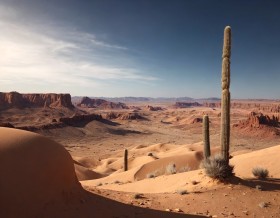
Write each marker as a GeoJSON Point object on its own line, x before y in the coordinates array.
{"type": "Point", "coordinates": [56, 56]}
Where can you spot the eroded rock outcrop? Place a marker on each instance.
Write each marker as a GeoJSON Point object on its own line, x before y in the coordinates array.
{"type": "Point", "coordinates": [101, 104]}
{"type": "Point", "coordinates": [259, 125]}
{"type": "Point", "coordinates": [255, 120]}
{"type": "Point", "coordinates": [124, 116]}
{"type": "Point", "coordinates": [196, 120]}
{"type": "Point", "coordinates": [18, 100]}
{"type": "Point", "coordinates": [263, 107]}
{"type": "Point", "coordinates": [154, 108]}
{"type": "Point", "coordinates": [62, 122]}
{"type": "Point", "coordinates": [186, 104]}
{"type": "Point", "coordinates": [76, 119]}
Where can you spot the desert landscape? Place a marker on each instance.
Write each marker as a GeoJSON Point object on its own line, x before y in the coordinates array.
{"type": "Point", "coordinates": [72, 155]}
{"type": "Point", "coordinates": [164, 143]}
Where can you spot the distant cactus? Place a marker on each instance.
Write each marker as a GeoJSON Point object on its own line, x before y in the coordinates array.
{"type": "Point", "coordinates": [125, 160]}
{"type": "Point", "coordinates": [225, 104]}
{"type": "Point", "coordinates": [206, 138]}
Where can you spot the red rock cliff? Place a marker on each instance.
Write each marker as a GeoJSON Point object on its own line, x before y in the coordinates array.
{"type": "Point", "coordinates": [17, 100]}
{"type": "Point", "coordinates": [100, 103]}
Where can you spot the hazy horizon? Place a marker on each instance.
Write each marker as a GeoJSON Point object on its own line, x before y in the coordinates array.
{"type": "Point", "coordinates": [145, 48]}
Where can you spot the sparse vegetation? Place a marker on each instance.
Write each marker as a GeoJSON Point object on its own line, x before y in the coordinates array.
{"type": "Point", "coordinates": [182, 192]}
{"type": "Point", "coordinates": [260, 173]}
{"type": "Point", "coordinates": [184, 169]}
{"type": "Point", "coordinates": [137, 196]}
{"type": "Point", "coordinates": [217, 167]}
{"type": "Point", "coordinates": [151, 154]}
{"type": "Point", "coordinates": [263, 204]}
{"type": "Point", "coordinates": [170, 169]}
{"type": "Point", "coordinates": [194, 182]}
{"type": "Point", "coordinates": [151, 175]}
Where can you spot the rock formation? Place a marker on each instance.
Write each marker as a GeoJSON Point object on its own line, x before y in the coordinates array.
{"type": "Point", "coordinates": [152, 108]}
{"type": "Point", "coordinates": [124, 116]}
{"type": "Point", "coordinates": [259, 125]}
{"type": "Point", "coordinates": [256, 120]}
{"type": "Point", "coordinates": [101, 104]}
{"type": "Point", "coordinates": [186, 104]}
{"type": "Point", "coordinates": [264, 107]}
{"type": "Point", "coordinates": [17, 100]}
{"type": "Point", "coordinates": [197, 120]}
{"type": "Point", "coordinates": [62, 122]}
{"type": "Point", "coordinates": [80, 118]}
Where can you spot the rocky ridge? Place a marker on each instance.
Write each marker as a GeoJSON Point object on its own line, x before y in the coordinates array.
{"type": "Point", "coordinates": [18, 100]}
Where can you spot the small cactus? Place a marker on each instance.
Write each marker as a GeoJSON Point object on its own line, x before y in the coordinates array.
{"type": "Point", "coordinates": [125, 160]}
{"type": "Point", "coordinates": [206, 138]}
{"type": "Point", "coordinates": [225, 104]}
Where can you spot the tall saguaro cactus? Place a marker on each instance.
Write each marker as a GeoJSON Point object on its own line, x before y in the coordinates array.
{"type": "Point", "coordinates": [206, 138]}
{"type": "Point", "coordinates": [125, 160]}
{"type": "Point", "coordinates": [225, 104]}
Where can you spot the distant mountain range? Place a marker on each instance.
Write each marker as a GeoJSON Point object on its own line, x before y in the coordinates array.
{"type": "Point", "coordinates": [76, 99]}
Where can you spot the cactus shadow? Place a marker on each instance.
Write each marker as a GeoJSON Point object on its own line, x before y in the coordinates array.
{"type": "Point", "coordinates": [269, 184]}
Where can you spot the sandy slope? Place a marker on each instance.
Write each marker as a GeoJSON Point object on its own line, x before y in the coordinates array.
{"type": "Point", "coordinates": [127, 181]}
{"type": "Point", "coordinates": [238, 197]}
{"type": "Point", "coordinates": [34, 171]}
{"type": "Point", "coordinates": [38, 180]}
{"type": "Point", "coordinates": [266, 158]}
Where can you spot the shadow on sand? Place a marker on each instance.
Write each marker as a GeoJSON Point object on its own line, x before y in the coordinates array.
{"type": "Point", "coordinates": [269, 184]}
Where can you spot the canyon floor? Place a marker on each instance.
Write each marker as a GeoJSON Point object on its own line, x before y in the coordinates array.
{"type": "Point", "coordinates": [164, 154]}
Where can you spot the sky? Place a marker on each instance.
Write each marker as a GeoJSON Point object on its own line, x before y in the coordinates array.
{"type": "Point", "coordinates": [151, 48]}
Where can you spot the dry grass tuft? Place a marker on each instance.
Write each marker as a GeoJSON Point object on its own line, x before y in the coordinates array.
{"type": "Point", "coordinates": [260, 173]}
{"type": "Point", "coordinates": [216, 167]}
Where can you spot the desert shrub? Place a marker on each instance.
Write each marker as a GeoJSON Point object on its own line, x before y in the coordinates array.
{"type": "Point", "coordinates": [151, 175]}
{"type": "Point", "coordinates": [260, 173]}
{"type": "Point", "coordinates": [170, 169]}
{"type": "Point", "coordinates": [184, 169]}
{"type": "Point", "coordinates": [182, 192]}
{"type": "Point", "coordinates": [263, 204]}
{"type": "Point", "coordinates": [156, 173]}
{"type": "Point", "coordinates": [150, 154]}
{"type": "Point", "coordinates": [194, 182]}
{"type": "Point", "coordinates": [137, 196]}
{"type": "Point", "coordinates": [216, 167]}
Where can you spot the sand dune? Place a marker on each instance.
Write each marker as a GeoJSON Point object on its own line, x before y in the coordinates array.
{"type": "Point", "coordinates": [266, 158]}
{"type": "Point", "coordinates": [154, 161]}
{"type": "Point", "coordinates": [164, 183]}
{"type": "Point", "coordinates": [34, 171]}
{"type": "Point", "coordinates": [84, 173]}
{"type": "Point", "coordinates": [38, 180]}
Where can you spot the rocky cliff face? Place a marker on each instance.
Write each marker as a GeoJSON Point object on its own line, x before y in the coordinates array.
{"type": "Point", "coordinates": [17, 100]}
{"type": "Point", "coordinates": [186, 104]}
{"type": "Point", "coordinates": [124, 116]}
{"type": "Point", "coordinates": [259, 125]}
{"type": "Point", "coordinates": [256, 120]}
{"type": "Point", "coordinates": [264, 107]}
{"type": "Point", "coordinates": [100, 103]}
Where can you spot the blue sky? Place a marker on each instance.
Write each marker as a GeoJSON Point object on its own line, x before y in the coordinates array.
{"type": "Point", "coordinates": [153, 48]}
